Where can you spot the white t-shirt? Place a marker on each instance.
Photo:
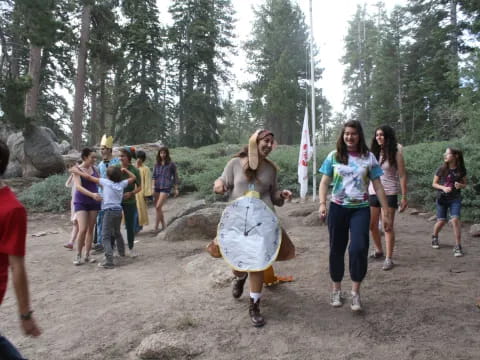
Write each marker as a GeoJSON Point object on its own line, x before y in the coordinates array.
{"type": "Point", "coordinates": [112, 193]}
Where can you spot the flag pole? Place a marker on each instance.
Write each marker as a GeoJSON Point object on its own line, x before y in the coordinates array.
{"type": "Point", "coordinates": [312, 86]}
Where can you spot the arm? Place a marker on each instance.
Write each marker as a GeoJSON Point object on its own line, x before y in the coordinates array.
{"type": "Point", "coordinates": [322, 195]}
{"type": "Point", "coordinates": [377, 185]}
{"type": "Point", "coordinates": [76, 171]}
{"type": "Point", "coordinates": [219, 187]}
{"type": "Point", "coordinates": [462, 184]}
{"type": "Point", "coordinates": [20, 284]}
{"type": "Point", "coordinates": [175, 180]}
{"type": "Point", "coordinates": [79, 187]}
{"type": "Point", "coordinates": [69, 181]}
{"type": "Point", "coordinates": [131, 176]}
{"type": "Point", "coordinates": [437, 186]}
{"type": "Point", "coordinates": [402, 174]}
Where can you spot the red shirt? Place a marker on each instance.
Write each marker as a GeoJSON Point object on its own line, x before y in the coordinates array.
{"type": "Point", "coordinates": [13, 232]}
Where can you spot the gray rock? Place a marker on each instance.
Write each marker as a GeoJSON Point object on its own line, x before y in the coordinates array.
{"type": "Point", "coordinates": [201, 224]}
{"type": "Point", "coordinates": [65, 147]}
{"type": "Point", "coordinates": [221, 278]}
{"type": "Point", "coordinates": [14, 169]}
{"type": "Point", "coordinates": [414, 211]}
{"type": "Point", "coordinates": [188, 209]}
{"type": "Point", "coordinates": [475, 230]}
{"type": "Point", "coordinates": [163, 345]}
{"type": "Point", "coordinates": [15, 145]}
{"type": "Point", "coordinates": [42, 155]}
{"type": "Point", "coordinates": [71, 158]}
{"type": "Point", "coordinates": [432, 218]}
{"type": "Point", "coordinates": [305, 210]}
{"type": "Point", "coordinates": [219, 273]}
{"type": "Point", "coordinates": [313, 220]}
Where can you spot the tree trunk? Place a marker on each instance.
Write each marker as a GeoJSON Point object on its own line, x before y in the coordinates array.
{"type": "Point", "coordinates": [31, 100]}
{"type": "Point", "coordinates": [77, 117]}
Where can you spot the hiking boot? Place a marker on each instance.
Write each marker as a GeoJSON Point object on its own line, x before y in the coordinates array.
{"type": "Point", "coordinates": [336, 298]}
{"type": "Point", "coordinates": [77, 260]}
{"type": "Point", "coordinates": [237, 286]}
{"type": "Point", "coordinates": [457, 251]}
{"type": "Point", "coordinates": [435, 243]}
{"type": "Point", "coordinates": [388, 264]}
{"type": "Point", "coordinates": [356, 304]}
{"type": "Point", "coordinates": [255, 316]}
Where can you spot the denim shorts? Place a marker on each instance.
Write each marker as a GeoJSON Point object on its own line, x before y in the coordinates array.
{"type": "Point", "coordinates": [392, 201]}
{"type": "Point", "coordinates": [166, 191]}
{"type": "Point", "coordinates": [454, 205]}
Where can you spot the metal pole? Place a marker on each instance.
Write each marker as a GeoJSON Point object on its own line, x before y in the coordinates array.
{"type": "Point", "coordinates": [312, 86]}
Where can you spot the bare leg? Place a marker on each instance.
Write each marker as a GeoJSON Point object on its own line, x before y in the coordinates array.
{"type": "Point", "coordinates": [457, 230]}
{"type": "Point", "coordinates": [92, 218]}
{"type": "Point", "coordinates": [82, 218]}
{"type": "Point", "coordinates": [256, 281]}
{"type": "Point", "coordinates": [162, 198]}
{"type": "Point", "coordinates": [438, 226]}
{"type": "Point", "coordinates": [376, 236]}
{"type": "Point", "coordinates": [356, 287]}
{"type": "Point", "coordinates": [390, 236]}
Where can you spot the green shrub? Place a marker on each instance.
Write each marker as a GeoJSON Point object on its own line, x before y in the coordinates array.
{"type": "Point", "coordinates": [50, 195]}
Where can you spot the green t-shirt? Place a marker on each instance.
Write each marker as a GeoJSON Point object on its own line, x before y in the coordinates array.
{"type": "Point", "coordinates": [131, 186]}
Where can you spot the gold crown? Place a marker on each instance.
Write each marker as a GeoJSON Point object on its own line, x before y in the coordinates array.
{"type": "Point", "coordinates": [107, 141]}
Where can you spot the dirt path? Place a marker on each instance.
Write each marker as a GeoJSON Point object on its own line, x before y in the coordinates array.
{"type": "Point", "coordinates": [422, 309]}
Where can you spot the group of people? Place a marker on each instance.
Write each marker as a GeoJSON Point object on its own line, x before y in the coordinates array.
{"type": "Point", "coordinates": [367, 185]}
{"type": "Point", "coordinates": [102, 196]}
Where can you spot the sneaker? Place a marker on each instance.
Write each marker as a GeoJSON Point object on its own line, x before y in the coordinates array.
{"type": "Point", "coordinates": [132, 253]}
{"type": "Point", "coordinates": [77, 260]}
{"type": "Point", "coordinates": [376, 255]}
{"type": "Point", "coordinates": [106, 265]}
{"type": "Point", "coordinates": [387, 264]}
{"type": "Point", "coordinates": [89, 260]}
{"type": "Point", "coordinates": [457, 251]}
{"type": "Point", "coordinates": [336, 298]}
{"type": "Point", "coordinates": [68, 246]}
{"type": "Point", "coordinates": [98, 249]}
{"type": "Point", "coordinates": [356, 304]}
{"type": "Point", "coordinates": [435, 243]}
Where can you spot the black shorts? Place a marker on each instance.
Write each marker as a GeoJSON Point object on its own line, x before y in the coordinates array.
{"type": "Point", "coordinates": [392, 201]}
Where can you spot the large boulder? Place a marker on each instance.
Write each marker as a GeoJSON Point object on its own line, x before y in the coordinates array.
{"type": "Point", "coordinates": [64, 147]}
{"type": "Point", "coordinates": [201, 224]}
{"type": "Point", "coordinates": [71, 158]}
{"type": "Point", "coordinates": [15, 144]}
{"type": "Point", "coordinates": [42, 154]}
{"type": "Point", "coordinates": [188, 209]}
{"type": "Point", "coordinates": [14, 169]}
{"type": "Point", "coordinates": [163, 345]}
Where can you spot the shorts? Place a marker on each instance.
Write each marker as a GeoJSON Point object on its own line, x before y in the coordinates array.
{"type": "Point", "coordinates": [392, 201]}
{"type": "Point", "coordinates": [86, 207]}
{"type": "Point", "coordinates": [166, 191]}
{"type": "Point", "coordinates": [454, 205]}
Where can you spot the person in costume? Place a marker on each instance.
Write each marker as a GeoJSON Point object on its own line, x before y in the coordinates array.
{"type": "Point", "coordinates": [350, 167]}
{"type": "Point", "coordinates": [129, 203]}
{"type": "Point", "coordinates": [86, 203]}
{"type": "Point", "coordinates": [165, 177]}
{"type": "Point", "coordinates": [249, 169]}
{"type": "Point", "coordinates": [106, 146]}
{"type": "Point", "coordinates": [141, 218]}
{"type": "Point", "coordinates": [394, 180]}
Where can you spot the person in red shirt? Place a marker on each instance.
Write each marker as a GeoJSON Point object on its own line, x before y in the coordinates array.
{"type": "Point", "coordinates": [13, 231]}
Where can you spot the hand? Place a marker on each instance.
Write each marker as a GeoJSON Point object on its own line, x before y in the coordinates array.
{"type": "Point", "coordinates": [286, 195]}
{"type": "Point", "coordinates": [74, 170]}
{"type": "Point", "coordinates": [127, 195]}
{"type": "Point", "coordinates": [387, 226]}
{"type": "Point", "coordinates": [219, 187]}
{"type": "Point", "coordinates": [447, 189]}
{"type": "Point", "coordinates": [458, 185]}
{"type": "Point", "coordinates": [175, 192]}
{"type": "Point", "coordinates": [30, 328]}
{"type": "Point", "coordinates": [97, 197]}
{"type": "Point", "coordinates": [322, 211]}
{"type": "Point", "coordinates": [403, 204]}
{"type": "Point", "coordinates": [123, 170]}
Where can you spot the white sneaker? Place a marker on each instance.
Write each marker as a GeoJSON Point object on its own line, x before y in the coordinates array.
{"type": "Point", "coordinates": [356, 304]}
{"type": "Point", "coordinates": [388, 264]}
{"type": "Point", "coordinates": [77, 260]}
{"type": "Point", "coordinates": [132, 253]}
{"type": "Point", "coordinates": [336, 299]}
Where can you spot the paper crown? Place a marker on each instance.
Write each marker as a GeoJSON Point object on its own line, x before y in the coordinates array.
{"type": "Point", "coordinates": [107, 141]}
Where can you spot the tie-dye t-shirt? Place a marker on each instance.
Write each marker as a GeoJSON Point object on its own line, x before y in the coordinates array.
{"type": "Point", "coordinates": [350, 182]}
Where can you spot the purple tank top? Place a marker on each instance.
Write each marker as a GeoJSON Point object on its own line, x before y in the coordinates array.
{"type": "Point", "coordinates": [90, 186]}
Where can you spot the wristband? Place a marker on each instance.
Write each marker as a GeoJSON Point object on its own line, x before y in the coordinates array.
{"type": "Point", "coordinates": [26, 316]}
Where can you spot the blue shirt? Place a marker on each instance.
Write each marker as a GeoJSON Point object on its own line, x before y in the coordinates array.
{"type": "Point", "coordinates": [104, 164]}
{"type": "Point", "coordinates": [112, 193]}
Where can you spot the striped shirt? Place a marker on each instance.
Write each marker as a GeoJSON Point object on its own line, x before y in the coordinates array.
{"type": "Point", "coordinates": [165, 176]}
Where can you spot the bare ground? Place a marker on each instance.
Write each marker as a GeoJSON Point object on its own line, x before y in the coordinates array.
{"type": "Point", "coordinates": [422, 309]}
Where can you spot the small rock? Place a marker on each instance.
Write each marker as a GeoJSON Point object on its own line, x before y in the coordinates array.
{"type": "Point", "coordinates": [423, 214]}
{"type": "Point", "coordinates": [162, 346]}
{"type": "Point", "coordinates": [432, 218]}
{"type": "Point", "coordinates": [313, 220]}
{"type": "Point", "coordinates": [414, 211]}
{"type": "Point", "coordinates": [475, 230]}
{"type": "Point", "coordinates": [305, 210]}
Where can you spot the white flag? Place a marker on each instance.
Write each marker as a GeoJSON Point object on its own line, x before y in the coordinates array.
{"type": "Point", "coordinates": [303, 157]}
